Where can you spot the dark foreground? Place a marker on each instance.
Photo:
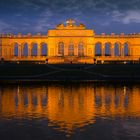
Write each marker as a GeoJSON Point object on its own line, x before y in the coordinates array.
{"type": "Point", "coordinates": [69, 72]}
{"type": "Point", "coordinates": [72, 111]}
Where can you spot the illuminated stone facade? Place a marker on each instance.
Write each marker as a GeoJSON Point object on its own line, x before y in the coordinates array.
{"type": "Point", "coordinates": [70, 43]}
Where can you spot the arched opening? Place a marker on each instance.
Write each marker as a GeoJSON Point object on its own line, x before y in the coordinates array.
{"type": "Point", "coordinates": [61, 49]}
{"type": "Point", "coordinates": [117, 49]}
{"type": "Point", "coordinates": [98, 49]}
{"type": "Point", "coordinates": [107, 49]}
{"type": "Point", "coordinates": [25, 49]}
{"type": "Point", "coordinates": [71, 50]}
{"type": "Point", "coordinates": [80, 49]}
{"type": "Point", "coordinates": [126, 49]}
{"type": "Point", "coordinates": [44, 49]}
{"type": "Point", "coordinates": [34, 49]}
{"type": "Point", "coordinates": [16, 49]}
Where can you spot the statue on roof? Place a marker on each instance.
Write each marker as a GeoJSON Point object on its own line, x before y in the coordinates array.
{"type": "Point", "coordinates": [60, 25]}
{"type": "Point", "coordinates": [81, 25]}
{"type": "Point", "coordinates": [70, 22]}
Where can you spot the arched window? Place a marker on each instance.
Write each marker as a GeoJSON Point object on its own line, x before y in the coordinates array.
{"type": "Point", "coordinates": [71, 50]}
{"type": "Point", "coordinates": [98, 49]}
{"type": "Point", "coordinates": [25, 49]}
{"type": "Point", "coordinates": [80, 49]}
{"type": "Point", "coordinates": [16, 49]}
{"type": "Point", "coordinates": [44, 49]}
{"type": "Point", "coordinates": [107, 49]}
{"type": "Point", "coordinates": [117, 49]}
{"type": "Point", "coordinates": [126, 49]}
{"type": "Point", "coordinates": [34, 49]}
{"type": "Point", "coordinates": [61, 48]}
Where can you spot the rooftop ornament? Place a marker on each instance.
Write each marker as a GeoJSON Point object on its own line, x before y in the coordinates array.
{"type": "Point", "coordinates": [70, 22]}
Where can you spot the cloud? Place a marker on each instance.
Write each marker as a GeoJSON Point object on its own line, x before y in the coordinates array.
{"type": "Point", "coordinates": [28, 4]}
{"type": "Point", "coordinates": [43, 22]}
{"type": "Point", "coordinates": [41, 15]}
{"type": "Point", "coordinates": [107, 23]}
{"type": "Point", "coordinates": [84, 4]}
{"type": "Point", "coordinates": [8, 27]}
{"type": "Point", "coordinates": [127, 17]}
{"type": "Point", "coordinates": [5, 27]}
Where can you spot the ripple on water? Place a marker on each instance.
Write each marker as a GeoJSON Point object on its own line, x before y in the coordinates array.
{"type": "Point", "coordinates": [71, 110]}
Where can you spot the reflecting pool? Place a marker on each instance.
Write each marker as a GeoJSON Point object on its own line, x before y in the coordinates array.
{"type": "Point", "coordinates": [70, 111]}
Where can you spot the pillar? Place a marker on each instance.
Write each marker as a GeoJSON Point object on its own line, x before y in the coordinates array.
{"type": "Point", "coordinates": [8, 52]}
{"type": "Point", "coordinates": [120, 49]}
{"type": "Point", "coordinates": [112, 50]}
{"type": "Point", "coordinates": [56, 49]}
{"type": "Point", "coordinates": [11, 52]}
{"type": "Point", "coordinates": [19, 51]}
{"type": "Point", "coordinates": [66, 49]}
{"type": "Point", "coordinates": [102, 49]}
{"type": "Point", "coordinates": [76, 49]}
{"type": "Point", "coordinates": [0, 50]}
{"type": "Point", "coordinates": [38, 51]}
{"type": "Point", "coordinates": [29, 50]}
{"type": "Point", "coordinates": [93, 50]}
{"type": "Point", "coordinates": [129, 50]}
{"type": "Point", "coordinates": [85, 50]}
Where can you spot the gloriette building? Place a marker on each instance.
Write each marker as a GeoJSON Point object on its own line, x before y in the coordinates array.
{"type": "Point", "coordinates": [70, 43]}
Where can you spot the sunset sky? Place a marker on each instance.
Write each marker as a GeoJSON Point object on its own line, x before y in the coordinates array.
{"type": "Point", "coordinates": [33, 16]}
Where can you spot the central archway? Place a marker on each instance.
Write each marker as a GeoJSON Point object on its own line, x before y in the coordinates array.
{"type": "Point", "coordinates": [80, 49]}
{"type": "Point", "coordinates": [71, 49]}
{"type": "Point", "coordinates": [61, 48]}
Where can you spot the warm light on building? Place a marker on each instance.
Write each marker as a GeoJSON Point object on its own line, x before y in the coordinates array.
{"type": "Point", "coordinates": [70, 42]}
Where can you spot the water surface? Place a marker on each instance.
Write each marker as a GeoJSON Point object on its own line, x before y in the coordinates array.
{"type": "Point", "coordinates": [70, 111]}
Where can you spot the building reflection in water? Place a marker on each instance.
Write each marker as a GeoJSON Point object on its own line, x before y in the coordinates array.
{"type": "Point", "coordinates": [69, 106]}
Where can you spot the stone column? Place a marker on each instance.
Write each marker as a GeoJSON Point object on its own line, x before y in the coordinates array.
{"type": "Point", "coordinates": [93, 50]}
{"type": "Point", "coordinates": [11, 52]}
{"type": "Point", "coordinates": [76, 49]}
{"type": "Point", "coordinates": [7, 51]}
{"type": "Point", "coordinates": [129, 50]}
{"type": "Point", "coordinates": [121, 50]}
{"type": "Point", "coordinates": [0, 50]}
{"type": "Point", "coordinates": [56, 49]}
{"type": "Point", "coordinates": [38, 51]}
{"type": "Point", "coordinates": [85, 50]}
{"type": "Point", "coordinates": [19, 51]}
{"type": "Point", "coordinates": [73, 50]}
{"type": "Point", "coordinates": [112, 50]}
{"type": "Point", "coordinates": [103, 50]}
{"type": "Point", "coordinates": [66, 49]}
{"type": "Point", "coordinates": [29, 50]}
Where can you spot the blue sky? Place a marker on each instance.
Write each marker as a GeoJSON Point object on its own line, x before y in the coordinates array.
{"type": "Point", "coordinates": [33, 16]}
